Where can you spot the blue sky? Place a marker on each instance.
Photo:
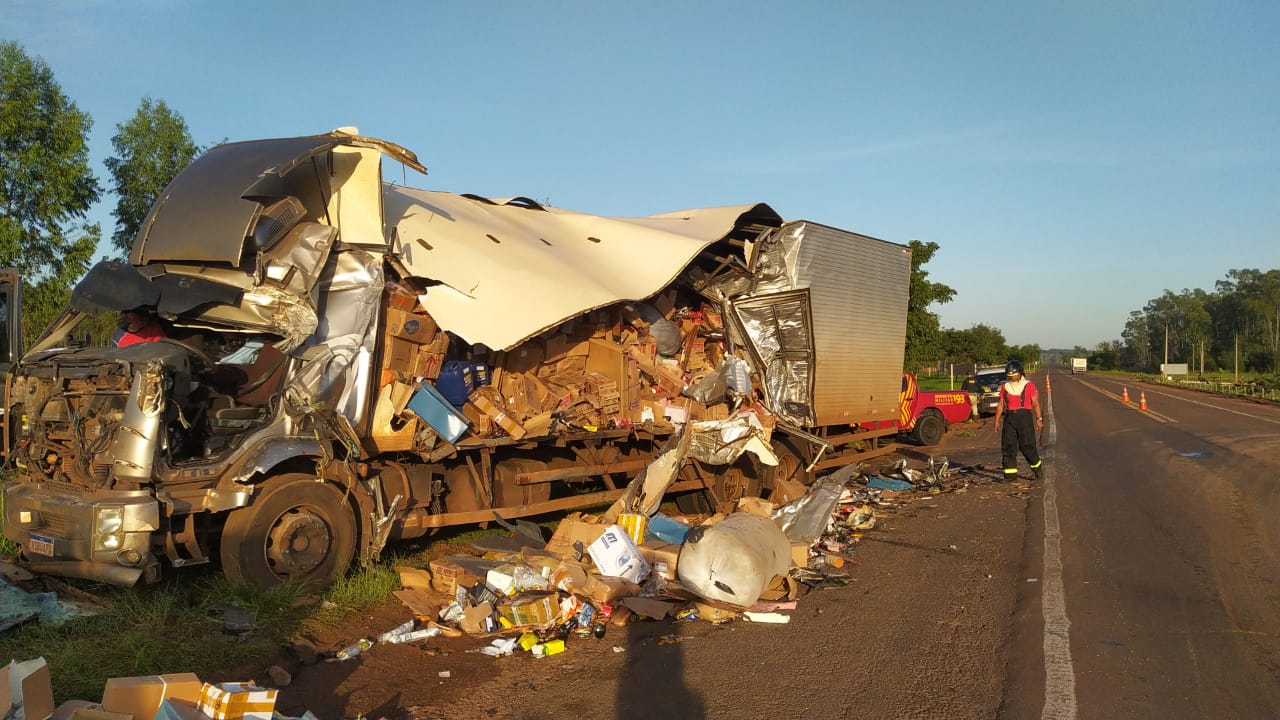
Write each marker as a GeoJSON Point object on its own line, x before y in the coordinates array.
{"type": "Point", "coordinates": [1071, 159]}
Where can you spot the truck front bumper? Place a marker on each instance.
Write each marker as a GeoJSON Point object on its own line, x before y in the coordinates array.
{"type": "Point", "coordinates": [103, 535]}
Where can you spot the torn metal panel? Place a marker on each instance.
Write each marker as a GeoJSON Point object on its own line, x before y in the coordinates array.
{"type": "Point", "coordinates": [551, 264]}
{"type": "Point", "coordinates": [348, 314]}
{"type": "Point", "coordinates": [777, 328]}
{"type": "Point", "coordinates": [207, 211]}
{"type": "Point", "coordinates": [721, 442]}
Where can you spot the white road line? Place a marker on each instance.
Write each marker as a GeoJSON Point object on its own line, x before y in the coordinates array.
{"type": "Point", "coordinates": [1059, 673]}
{"type": "Point", "coordinates": [1215, 407]}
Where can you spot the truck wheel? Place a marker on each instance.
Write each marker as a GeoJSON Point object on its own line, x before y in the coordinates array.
{"type": "Point", "coordinates": [930, 428]}
{"type": "Point", "coordinates": [791, 463]}
{"type": "Point", "coordinates": [297, 531]}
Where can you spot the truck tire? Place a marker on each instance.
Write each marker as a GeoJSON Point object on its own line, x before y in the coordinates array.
{"type": "Point", "coordinates": [930, 428]}
{"type": "Point", "coordinates": [298, 531]}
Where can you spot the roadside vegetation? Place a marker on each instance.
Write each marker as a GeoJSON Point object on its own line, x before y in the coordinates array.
{"type": "Point", "coordinates": [196, 621]}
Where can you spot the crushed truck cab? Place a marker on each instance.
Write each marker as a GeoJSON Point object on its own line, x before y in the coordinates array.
{"type": "Point", "coordinates": [348, 362]}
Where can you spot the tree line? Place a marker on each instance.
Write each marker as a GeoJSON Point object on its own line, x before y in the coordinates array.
{"type": "Point", "coordinates": [47, 184]}
{"type": "Point", "coordinates": [1237, 326]}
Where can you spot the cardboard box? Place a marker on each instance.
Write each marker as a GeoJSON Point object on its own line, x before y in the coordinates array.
{"type": "Point", "coordinates": [97, 713]}
{"type": "Point", "coordinates": [500, 416]}
{"type": "Point", "coordinates": [141, 696]}
{"type": "Point", "coordinates": [609, 589]}
{"type": "Point", "coordinates": [538, 609]}
{"type": "Point", "coordinates": [525, 357]}
{"type": "Point", "coordinates": [388, 431]}
{"type": "Point", "coordinates": [28, 682]}
{"type": "Point", "coordinates": [399, 355]}
{"type": "Point", "coordinates": [569, 576]}
{"type": "Point", "coordinates": [478, 620]}
{"type": "Point", "coordinates": [574, 529]}
{"type": "Point", "coordinates": [714, 614]}
{"type": "Point", "coordinates": [237, 701]}
{"type": "Point", "coordinates": [447, 575]}
{"type": "Point", "coordinates": [415, 327]}
{"type": "Point", "coordinates": [70, 707]}
{"type": "Point", "coordinates": [756, 506]}
{"type": "Point", "coordinates": [662, 557]}
{"type": "Point", "coordinates": [427, 362]}
{"type": "Point", "coordinates": [616, 555]}
{"type": "Point", "coordinates": [800, 553]}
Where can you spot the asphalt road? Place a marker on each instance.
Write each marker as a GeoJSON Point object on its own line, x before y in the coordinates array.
{"type": "Point", "coordinates": [1157, 541]}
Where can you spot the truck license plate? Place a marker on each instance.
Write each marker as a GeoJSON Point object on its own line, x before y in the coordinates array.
{"type": "Point", "coordinates": [40, 545]}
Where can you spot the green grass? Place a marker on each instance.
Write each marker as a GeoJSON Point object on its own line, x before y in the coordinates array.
{"type": "Point", "coordinates": [177, 626]}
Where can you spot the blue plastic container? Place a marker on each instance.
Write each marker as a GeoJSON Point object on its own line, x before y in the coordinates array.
{"type": "Point", "coordinates": [456, 382]}
{"type": "Point", "coordinates": [479, 373]}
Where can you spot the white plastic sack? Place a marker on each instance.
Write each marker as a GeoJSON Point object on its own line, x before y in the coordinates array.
{"type": "Point", "coordinates": [733, 560]}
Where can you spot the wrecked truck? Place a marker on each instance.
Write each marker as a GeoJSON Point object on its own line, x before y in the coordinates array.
{"type": "Point", "coordinates": [347, 362]}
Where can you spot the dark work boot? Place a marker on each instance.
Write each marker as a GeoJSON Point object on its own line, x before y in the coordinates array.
{"type": "Point", "coordinates": [1038, 471]}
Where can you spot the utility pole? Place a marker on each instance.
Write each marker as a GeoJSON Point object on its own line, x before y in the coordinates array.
{"type": "Point", "coordinates": [1237, 357]}
{"type": "Point", "coordinates": [1166, 343]}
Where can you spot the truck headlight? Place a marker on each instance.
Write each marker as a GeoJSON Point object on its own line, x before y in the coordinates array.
{"type": "Point", "coordinates": [109, 520]}
{"type": "Point", "coordinates": [108, 542]}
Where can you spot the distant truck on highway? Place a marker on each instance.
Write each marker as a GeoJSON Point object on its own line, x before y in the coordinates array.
{"type": "Point", "coordinates": [1079, 365]}
{"type": "Point", "coordinates": [348, 362]}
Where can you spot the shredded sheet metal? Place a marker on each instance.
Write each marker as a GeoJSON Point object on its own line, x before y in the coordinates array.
{"type": "Point", "coordinates": [508, 271]}
{"type": "Point", "coordinates": [805, 518]}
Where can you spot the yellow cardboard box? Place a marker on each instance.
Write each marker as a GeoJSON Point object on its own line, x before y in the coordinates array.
{"type": "Point", "coordinates": [237, 701]}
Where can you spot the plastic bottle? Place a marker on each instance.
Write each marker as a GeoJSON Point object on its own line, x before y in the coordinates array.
{"type": "Point", "coordinates": [412, 635]}
{"type": "Point", "coordinates": [386, 636]}
{"type": "Point", "coordinates": [351, 651]}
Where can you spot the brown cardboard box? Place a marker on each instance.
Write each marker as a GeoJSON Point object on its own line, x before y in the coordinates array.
{"type": "Point", "coordinates": [784, 491]}
{"type": "Point", "coordinates": [427, 362]}
{"type": "Point", "coordinates": [574, 528]}
{"type": "Point", "coordinates": [95, 713]}
{"type": "Point", "coordinates": [756, 506]}
{"type": "Point", "coordinates": [473, 620]}
{"type": "Point", "coordinates": [525, 357]}
{"type": "Point", "coordinates": [714, 614]}
{"type": "Point", "coordinates": [800, 553]}
{"type": "Point", "coordinates": [662, 557]}
{"type": "Point", "coordinates": [34, 687]}
{"type": "Point", "coordinates": [609, 589]}
{"type": "Point", "coordinates": [415, 327]}
{"type": "Point", "coordinates": [447, 575]}
{"type": "Point", "coordinates": [500, 416]}
{"type": "Point", "coordinates": [560, 346]}
{"type": "Point", "coordinates": [569, 576]}
{"type": "Point", "coordinates": [70, 707]}
{"type": "Point", "coordinates": [388, 430]}
{"type": "Point", "coordinates": [141, 696]}
{"type": "Point", "coordinates": [531, 609]}
{"type": "Point", "coordinates": [399, 355]}
{"type": "Point", "coordinates": [481, 424]}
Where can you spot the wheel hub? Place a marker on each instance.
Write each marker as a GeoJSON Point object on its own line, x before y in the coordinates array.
{"type": "Point", "coordinates": [297, 543]}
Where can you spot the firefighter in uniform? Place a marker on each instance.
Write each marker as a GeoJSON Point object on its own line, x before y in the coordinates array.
{"type": "Point", "coordinates": [1019, 409]}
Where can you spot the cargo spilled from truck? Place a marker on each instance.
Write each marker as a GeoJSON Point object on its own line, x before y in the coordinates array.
{"type": "Point", "coordinates": [348, 362]}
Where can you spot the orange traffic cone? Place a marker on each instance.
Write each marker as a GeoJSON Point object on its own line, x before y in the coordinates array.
{"type": "Point", "coordinates": [1142, 401]}
{"type": "Point", "coordinates": [1125, 398]}
{"type": "Point", "coordinates": [1047, 386]}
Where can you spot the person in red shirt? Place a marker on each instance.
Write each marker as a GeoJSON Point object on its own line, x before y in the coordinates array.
{"type": "Point", "coordinates": [1021, 403]}
{"type": "Point", "coordinates": [138, 325]}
